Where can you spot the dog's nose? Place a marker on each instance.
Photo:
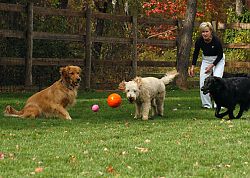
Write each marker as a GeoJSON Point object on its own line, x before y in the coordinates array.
{"type": "Point", "coordinates": [131, 99]}
{"type": "Point", "coordinates": [79, 79]}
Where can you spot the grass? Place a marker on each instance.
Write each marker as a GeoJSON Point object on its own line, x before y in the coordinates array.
{"type": "Point", "coordinates": [187, 142]}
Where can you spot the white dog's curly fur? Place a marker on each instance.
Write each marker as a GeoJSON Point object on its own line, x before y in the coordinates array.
{"type": "Point", "coordinates": [147, 93]}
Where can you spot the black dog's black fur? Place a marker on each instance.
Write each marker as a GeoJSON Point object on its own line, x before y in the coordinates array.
{"type": "Point", "coordinates": [229, 75]}
{"type": "Point", "coordinates": [228, 92]}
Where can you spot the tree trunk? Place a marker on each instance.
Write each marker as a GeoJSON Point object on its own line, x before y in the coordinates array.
{"type": "Point", "coordinates": [184, 43]}
{"type": "Point", "coordinates": [239, 7]}
{"type": "Point", "coordinates": [99, 28]}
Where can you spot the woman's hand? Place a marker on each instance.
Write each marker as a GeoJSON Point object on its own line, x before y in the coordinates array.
{"type": "Point", "coordinates": [191, 71]}
{"type": "Point", "coordinates": [209, 68]}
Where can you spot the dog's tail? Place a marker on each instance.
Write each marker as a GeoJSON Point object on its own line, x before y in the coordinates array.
{"type": "Point", "coordinates": [169, 77]}
{"type": "Point", "coordinates": [10, 111]}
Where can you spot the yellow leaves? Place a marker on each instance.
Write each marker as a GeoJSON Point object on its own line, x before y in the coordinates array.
{"type": "Point", "coordinates": [126, 124]}
{"type": "Point", "coordinates": [12, 156]}
{"type": "Point", "coordinates": [105, 149]}
{"type": "Point", "coordinates": [9, 156]}
{"type": "Point", "coordinates": [142, 150]}
{"type": "Point", "coordinates": [123, 153]}
{"type": "Point", "coordinates": [229, 123]}
{"type": "Point", "coordinates": [196, 164]}
{"type": "Point", "coordinates": [223, 166]}
{"type": "Point", "coordinates": [72, 159]}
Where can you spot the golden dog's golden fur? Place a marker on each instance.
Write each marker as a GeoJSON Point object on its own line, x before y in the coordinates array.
{"type": "Point", "coordinates": [52, 101]}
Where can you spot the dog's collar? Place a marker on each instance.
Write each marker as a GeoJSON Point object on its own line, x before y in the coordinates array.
{"type": "Point", "coordinates": [66, 85]}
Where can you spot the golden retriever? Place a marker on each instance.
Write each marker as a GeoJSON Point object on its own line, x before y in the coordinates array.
{"type": "Point", "coordinates": [52, 101]}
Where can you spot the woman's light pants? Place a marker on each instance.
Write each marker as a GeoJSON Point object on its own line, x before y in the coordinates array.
{"type": "Point", "coordinates": [217, 71]}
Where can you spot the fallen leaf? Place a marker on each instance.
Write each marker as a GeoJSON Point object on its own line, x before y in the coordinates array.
{"type": "Point", "coordinates": [178, 142]}
{"type": "Point", "coordinates": [229, 122]}
{"type": "Point", "coordinates": [127, 124]}
{"type": "Point", "coordinates": [219, 166]}
{"type": "Point", "coordinates": [196, 164]}
{"type": "Point", "coordinates": [39, 169]}
{"type": "Point", "coordinates": [141, 149]}
{"type": "Point", "coordinates": [129, 167]}
{"type": "Point", "coordinates": [101, 173]}
{"type": "Point", "coordinates": [222, 120]}
{"type": "Point", "coordinates": [110, 169]}
{"type": "Point", "coordinates": [11, 156]}
{"type": "Point", "coordinates": [105, 149]}
{"type": "Point", "coordinates": [1, 155]}
{"type": "Point", "coordinates": [123, 153]}
{"type": "Point", "coordinates": [72, 159]}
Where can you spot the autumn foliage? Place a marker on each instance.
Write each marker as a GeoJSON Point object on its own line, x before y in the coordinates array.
{"type": "Point", "coordinates": [176, 9]}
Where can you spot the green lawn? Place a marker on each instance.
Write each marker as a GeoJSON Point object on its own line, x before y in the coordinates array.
{"type": "Point", "coordinates": [187, 142]}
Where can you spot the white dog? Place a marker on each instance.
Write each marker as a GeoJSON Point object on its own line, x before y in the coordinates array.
{"type": "Point", "coordinates": [146, 93]}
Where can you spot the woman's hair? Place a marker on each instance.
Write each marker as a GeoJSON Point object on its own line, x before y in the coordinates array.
{"type": "Point", "coordinates": [204, 25]}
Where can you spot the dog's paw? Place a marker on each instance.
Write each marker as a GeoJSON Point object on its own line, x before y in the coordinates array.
{"type": "Point", "coordinates": [145, 118]}
{"type": "Point", "coordinates": [68, 118]}
{"type": "Point", "coordinates": [220, 116]}
{"type": "Point", "coordinates": [7, 110]}
{"type": "Point", "coordinates": [137, 117]}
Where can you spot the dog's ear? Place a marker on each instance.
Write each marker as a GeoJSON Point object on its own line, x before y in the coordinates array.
{"type": "Point", "coordinates": [138, 80]}
{"type": "Point", "coordinates": [63, 72]}
{"type": "Point", "coordinates": [122, 85]}
{"type": "Point", "coordinates": [217, 79]}
{"type": "Point", "coordinates": [79, 69]}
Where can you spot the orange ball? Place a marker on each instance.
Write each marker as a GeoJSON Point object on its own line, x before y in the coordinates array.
{"type": "Point", "coordinates": [114, 100]}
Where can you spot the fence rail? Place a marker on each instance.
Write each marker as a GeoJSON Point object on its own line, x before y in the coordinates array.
{"type": "Point", "coordinates": [10, 61]}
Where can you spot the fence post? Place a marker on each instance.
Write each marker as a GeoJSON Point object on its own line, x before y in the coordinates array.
{"type": "Point", "coordinates": [214, 24]}
{"type": "Point", "coordinates": [88, 49]}
{"type": "Point", "coordinates": [29, 45]}
{"type": "Point", "coordinates": [134, 45]}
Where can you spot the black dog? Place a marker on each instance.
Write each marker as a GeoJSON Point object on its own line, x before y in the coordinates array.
{"type": "Point", "coordinates": [227, 92]}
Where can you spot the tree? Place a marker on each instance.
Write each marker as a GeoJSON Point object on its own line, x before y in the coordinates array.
{"type": "Point", "coordinates": [99, 28]}
{"type": "Point", "coordinates": [239, 7]}
{"type": "Point", "coordinates": [184, 43]}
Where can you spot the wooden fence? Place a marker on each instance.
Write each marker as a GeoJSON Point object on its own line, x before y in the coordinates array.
{"type": "Point", "coordinates": [29, 35]}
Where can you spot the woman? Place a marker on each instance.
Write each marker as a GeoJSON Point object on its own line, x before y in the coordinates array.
{"type": "Point", "coordinates": [213, 59]}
